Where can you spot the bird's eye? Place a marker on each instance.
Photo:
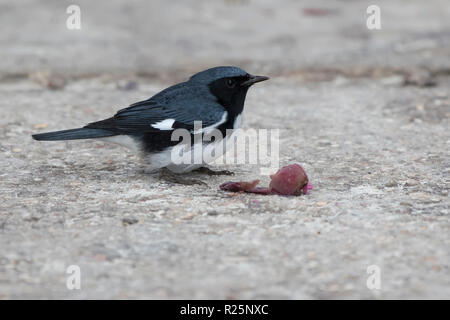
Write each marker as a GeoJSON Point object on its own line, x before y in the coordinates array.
{"type": "Point", "coordinates": [231, 83]}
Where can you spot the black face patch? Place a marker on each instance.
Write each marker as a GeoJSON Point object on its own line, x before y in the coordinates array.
{"type": "Point", "coordinates": [229, 93]}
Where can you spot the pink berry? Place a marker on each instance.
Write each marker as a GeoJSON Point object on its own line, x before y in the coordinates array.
{"type": "Point", "coordinates": [289, 180]}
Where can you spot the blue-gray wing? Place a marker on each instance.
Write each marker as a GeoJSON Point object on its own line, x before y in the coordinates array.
{"type": "Point", "coordinates": [176, 107]}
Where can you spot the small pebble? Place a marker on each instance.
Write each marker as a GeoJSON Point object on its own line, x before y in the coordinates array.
{"type": "Point", "coordinates": [41, 126]}
{"type": "Point", "coordinates": [127, 85]}
{"type": "Point", "coordinates": [129, 221]}
{"type": "Point", "coordinates": [411, 182]}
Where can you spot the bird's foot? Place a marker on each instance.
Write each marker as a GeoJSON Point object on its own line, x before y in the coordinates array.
{"type": "Point", "coordinates": [208, 171]}
{"type": "Point", "coordinates": [169, 176]}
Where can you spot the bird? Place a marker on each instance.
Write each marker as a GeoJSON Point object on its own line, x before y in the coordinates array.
{"type": "Point", "coordinates": [215, 97]}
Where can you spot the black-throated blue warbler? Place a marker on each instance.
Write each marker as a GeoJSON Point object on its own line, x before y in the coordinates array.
{"type": "Point", "coordinates": [215, 97]}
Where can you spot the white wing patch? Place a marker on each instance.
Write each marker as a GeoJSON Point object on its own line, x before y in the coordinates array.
{"type": "Point", "coordinates": [213, 126]}
{"type": "Point", "coordinates": [164, 125]}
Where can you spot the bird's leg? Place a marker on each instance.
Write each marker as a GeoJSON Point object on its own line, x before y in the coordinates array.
{"type": "Point", "coordinates": [169, 176]}
{"type": "Point", "coordinates": [208, 171]}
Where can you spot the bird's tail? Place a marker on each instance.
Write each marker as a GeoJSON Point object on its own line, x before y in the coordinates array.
{"type": "Point", "coordinates": [73, 134]}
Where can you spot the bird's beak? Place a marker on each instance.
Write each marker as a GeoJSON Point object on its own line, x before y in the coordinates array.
{"type": "Point", "coordinates": [253, 80]}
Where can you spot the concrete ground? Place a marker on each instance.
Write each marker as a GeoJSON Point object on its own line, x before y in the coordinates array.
{"type": "Point", "coordinates": [365, 112]}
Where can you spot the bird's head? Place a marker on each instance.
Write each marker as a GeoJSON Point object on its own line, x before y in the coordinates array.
{"type": "Point", "coordinates": [228, 84]}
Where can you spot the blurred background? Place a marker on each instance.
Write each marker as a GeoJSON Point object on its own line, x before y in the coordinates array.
{"type": "Point", "coordinates": [156, 38]}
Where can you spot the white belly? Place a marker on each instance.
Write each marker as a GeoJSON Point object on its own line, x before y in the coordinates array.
{"type": "Point", "coordinates": [125, 141]}
{"type": "Point", "coordinates": [164, 159]}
